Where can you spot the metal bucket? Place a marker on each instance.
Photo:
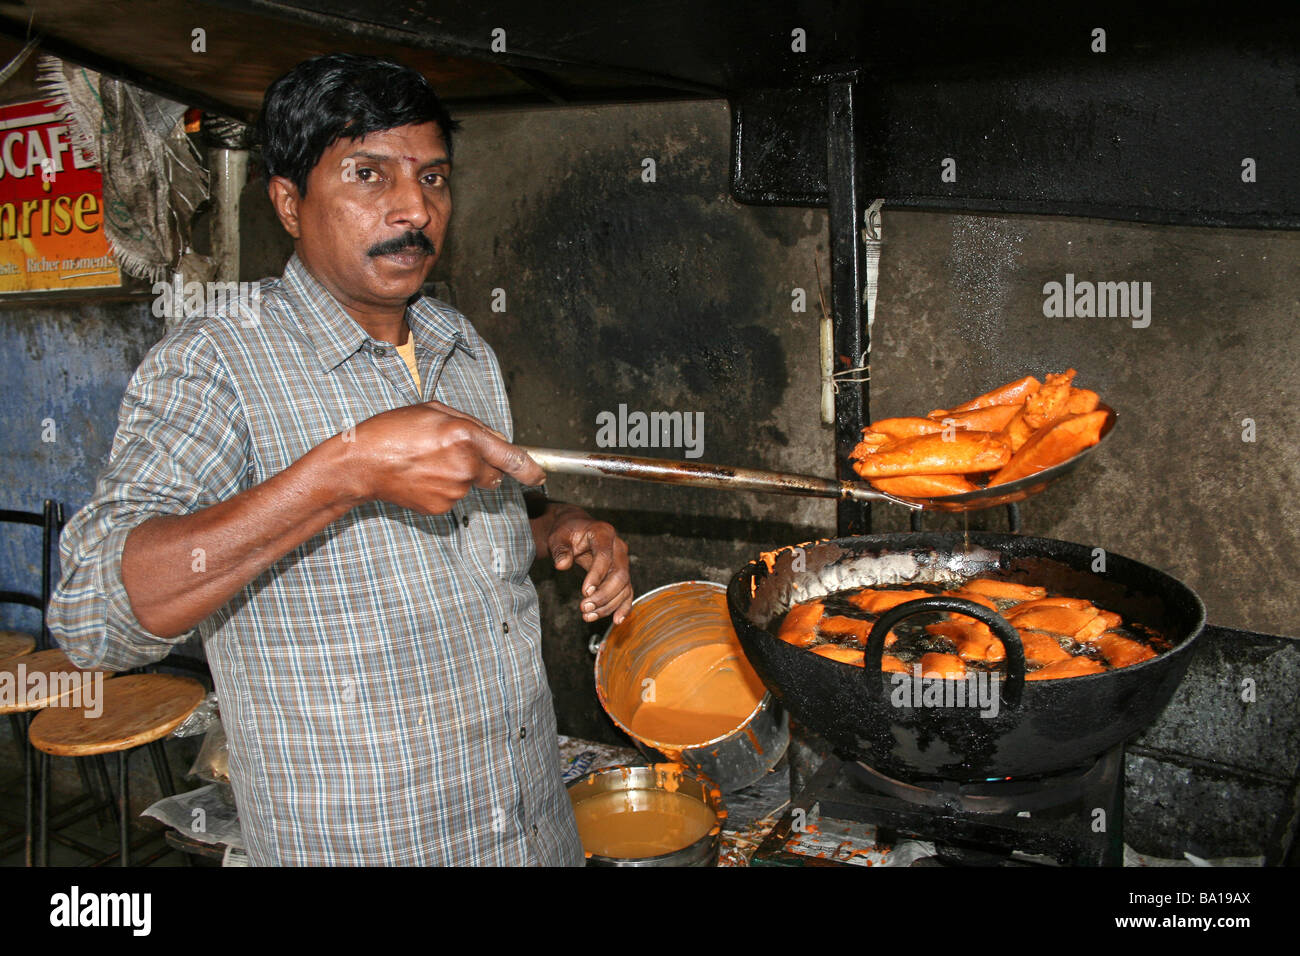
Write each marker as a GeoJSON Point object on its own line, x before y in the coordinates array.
{"type": "Point", "coordinates": [664, 624]}
{"type": "Point", "coordinates": [638, 785]}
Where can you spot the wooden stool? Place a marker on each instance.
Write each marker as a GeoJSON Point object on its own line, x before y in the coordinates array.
{"type": "Point", "coordinates": [49, 668]}
{"type": "Point", "coordinates": [138, 710]}
{"type": "Point", "coordinates": [15, 644]}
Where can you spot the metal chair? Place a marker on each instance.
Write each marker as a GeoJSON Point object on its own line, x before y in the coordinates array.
{"type": "Point", "coordinates": [50, 521]}
{"type": "Point", "coordinates": [17, 647]}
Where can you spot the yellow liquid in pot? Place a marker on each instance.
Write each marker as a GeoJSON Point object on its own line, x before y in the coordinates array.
{"type": "Point", "coordinates": [631, 824]}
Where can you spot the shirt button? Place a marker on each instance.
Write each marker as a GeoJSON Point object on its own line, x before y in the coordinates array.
{"type": "Point", "coordinates": [464, 519]}
{"type": "Point", "coordinates": [381, 350]}
{"type": "Point", "coordinates": [505, 626]}
{"type": "Point", "coordinates": [523, 732]}
{"type": "Point", "coordinates": [534, 829]}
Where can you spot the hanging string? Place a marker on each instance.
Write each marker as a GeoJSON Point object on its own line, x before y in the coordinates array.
{"type": "Point", "coordinates": [858, 373]}
{"type": "Point", "coordinates": [871, 240]}
{"type": "Point", "coordinates": [12, 67]}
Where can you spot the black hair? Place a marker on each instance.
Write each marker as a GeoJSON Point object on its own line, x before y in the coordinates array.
{"type": "Point", "coordinates": [326, 98]}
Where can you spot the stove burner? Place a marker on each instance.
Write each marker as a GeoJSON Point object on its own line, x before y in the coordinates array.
{"type": "Point", "coordinates": [1009, 795]}
{"type": "Point", "coordinates": [1074, 817]}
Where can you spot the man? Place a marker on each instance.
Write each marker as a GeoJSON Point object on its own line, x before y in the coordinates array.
{"type": "Point", "coordinates": [344, 526]}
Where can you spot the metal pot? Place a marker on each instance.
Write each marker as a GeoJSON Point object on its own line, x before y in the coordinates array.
{"type": "Point", "coordinates": [1039, 727]}
{"type": "Point", "coordinates": [635, 782]}
{"type": "Point", "coordinates": [663, 623]}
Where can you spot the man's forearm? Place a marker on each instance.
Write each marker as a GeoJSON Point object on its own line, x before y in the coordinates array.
{"type": "Point", "coordinates": [179, 570]}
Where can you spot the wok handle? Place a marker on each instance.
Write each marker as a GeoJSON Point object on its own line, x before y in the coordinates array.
{"type": "Point", "coordinates": [1014, 685]}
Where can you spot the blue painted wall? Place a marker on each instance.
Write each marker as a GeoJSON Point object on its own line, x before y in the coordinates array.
{"type": "Point", "coordinates": [67, 364]}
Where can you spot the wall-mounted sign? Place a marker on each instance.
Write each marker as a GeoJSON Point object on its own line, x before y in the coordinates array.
{"type": "Point", "coordinates": [51, 207]}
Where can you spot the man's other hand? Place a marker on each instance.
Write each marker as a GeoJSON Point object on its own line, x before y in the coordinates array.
{"type": "Point", "coordinates": [595, 546]}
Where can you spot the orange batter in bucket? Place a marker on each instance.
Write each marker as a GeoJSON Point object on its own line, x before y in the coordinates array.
{"type": "Point", "coordinates": [703, 693]}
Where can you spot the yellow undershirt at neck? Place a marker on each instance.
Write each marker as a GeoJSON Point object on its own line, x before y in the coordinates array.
{"type": "Point", "coordinates": [407, 352]}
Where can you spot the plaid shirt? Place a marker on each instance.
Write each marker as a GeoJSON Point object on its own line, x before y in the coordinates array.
{"type": "Point", "coordinates": [382, 685]}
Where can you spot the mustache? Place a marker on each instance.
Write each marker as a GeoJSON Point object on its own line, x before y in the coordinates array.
{"type": "Point", "coordinates": [408, 240]}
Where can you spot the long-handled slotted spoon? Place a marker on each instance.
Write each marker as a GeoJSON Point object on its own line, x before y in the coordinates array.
{"type": "Point", "coordinates": [724, 477]}
{"type": "Point", "coordinates": [701, 475]}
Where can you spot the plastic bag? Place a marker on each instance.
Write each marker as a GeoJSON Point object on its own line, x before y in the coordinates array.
{"type": "Point", "coordinates": [202, 717]}
{"type": "Point", "coordinates": [213, 762]}
{"type": "Point", "coordinates": [207, 815]}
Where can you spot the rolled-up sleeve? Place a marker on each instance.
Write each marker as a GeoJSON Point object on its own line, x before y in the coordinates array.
{"type": "Point", "coordinates": [181, 445]}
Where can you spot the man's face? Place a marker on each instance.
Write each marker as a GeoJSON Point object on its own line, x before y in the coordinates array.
{"type": "Point", "coordinates": [369, 201]}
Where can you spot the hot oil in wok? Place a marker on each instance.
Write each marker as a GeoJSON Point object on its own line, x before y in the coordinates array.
{"type": "Point", "coordinates": [914, 642]}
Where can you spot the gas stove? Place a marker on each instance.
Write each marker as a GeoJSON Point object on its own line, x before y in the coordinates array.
{"type": "Point", "coordinates": [851, 813]}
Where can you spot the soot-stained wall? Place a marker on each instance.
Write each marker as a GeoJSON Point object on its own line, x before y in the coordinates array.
{"type": "Point", "coordinates": [1199, 477]}
{"type": "Point", "coordinates": [668, 295]}
{"type": "Point", "coordinates": [661, 295]}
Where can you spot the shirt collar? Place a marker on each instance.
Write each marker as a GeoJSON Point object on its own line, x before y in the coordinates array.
{"type": "Point", "coordinates": [437, 328]}
{"type": "Point", "coordinates": [337, 336]}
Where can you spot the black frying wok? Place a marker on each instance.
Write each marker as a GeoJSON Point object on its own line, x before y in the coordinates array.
{"type": "Point", "coordinates": [1040, 726]}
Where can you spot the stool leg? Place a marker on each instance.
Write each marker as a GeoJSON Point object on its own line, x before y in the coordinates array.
{"type": "Point", "coordinates": [20, 733]}
{"type": "Point", "coordinates": [124, 808]}
{"type": "Point", "coordinates": [89, 787]}
{"type": "Point", "coordinates": [162, 769]}
{"type": "Point", "coordinates": [43, 840]}
{"type": "Point", "coordinates": [102, 766]}
{"type": "Point", "coordinates": [29, 809]}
